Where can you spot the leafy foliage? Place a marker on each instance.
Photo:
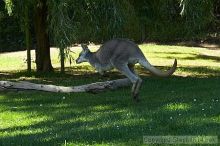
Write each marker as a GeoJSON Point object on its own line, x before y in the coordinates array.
{"type": "Point", "coordinates": [9, 6]}
{"type": "Point", "coordinates": [17, 8]}
{"type": "Point", "coordinates": [198, 14]}
{"type": "Point", "coordinates": [11, 38]}
{"type": "Point", "coordinates": [73, 21]}
{"type": "Point", "coordinates": [89, 20]}
{"type": "Point", "coordinates": [97, 21]}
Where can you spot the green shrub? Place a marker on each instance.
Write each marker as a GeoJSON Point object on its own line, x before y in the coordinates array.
{"type": "Point", "coordinates": [74, 21]}
{"type": "Point", "coordinates": [11, 38]}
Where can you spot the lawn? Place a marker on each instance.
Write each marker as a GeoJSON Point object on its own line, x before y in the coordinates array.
{"type": "Point", "coordinates": [185, 104]}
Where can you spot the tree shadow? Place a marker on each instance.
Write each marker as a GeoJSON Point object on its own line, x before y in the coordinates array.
{"type": "Point", "coordinates": [193, 56]}
{"type": "Point", "coordinates": [204, 57]}
{"type": "Point", "coordinates": [174, 53]}
{"type": "Point", "coordinates": [73, 76]}
{"type": "Point", "coordinates": [169, 106]}
{"type": "Point", "coordinates": [212, 44]}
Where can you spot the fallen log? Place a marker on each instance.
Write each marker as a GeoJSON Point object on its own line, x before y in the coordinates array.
{"type": "Point", "coordinates": [93, 87]}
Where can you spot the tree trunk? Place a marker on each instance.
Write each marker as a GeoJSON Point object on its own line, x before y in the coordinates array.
{"type": "Point", "coordinates": [43, 61]}
{"type": "Point", "coordinates": [62, 60]}
{"type": "Point", "coordinates": [27, 38]}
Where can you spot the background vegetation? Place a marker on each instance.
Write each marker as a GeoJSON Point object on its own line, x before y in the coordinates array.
{"type": "Point", "coordinates": [11, 37]}
{"type": "Point", "coordinates": [96, 21]}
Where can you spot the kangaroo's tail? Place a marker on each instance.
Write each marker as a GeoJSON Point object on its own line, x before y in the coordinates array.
{"type": "Point", "coordinates": [156, 71]}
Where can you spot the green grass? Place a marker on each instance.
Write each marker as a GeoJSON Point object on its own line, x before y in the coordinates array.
{"type": "Point", "coordinates": [184, 104]}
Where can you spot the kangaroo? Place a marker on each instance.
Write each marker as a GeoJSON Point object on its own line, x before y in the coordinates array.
{"type": "Point", "coordinates": [123, 55]}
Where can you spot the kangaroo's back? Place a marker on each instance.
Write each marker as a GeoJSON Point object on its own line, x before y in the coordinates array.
{"type": "Point", "coordinates": [120, 50]}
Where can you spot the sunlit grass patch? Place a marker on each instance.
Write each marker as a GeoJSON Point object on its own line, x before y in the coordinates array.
{"type": "Point", "coordinates": [20, 118]}
{"type": "Point", "coordinates": [177, 106]}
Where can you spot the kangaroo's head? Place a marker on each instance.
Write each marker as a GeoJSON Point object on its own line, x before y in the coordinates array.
{"type": "Point", "coordinates": [84, 54]}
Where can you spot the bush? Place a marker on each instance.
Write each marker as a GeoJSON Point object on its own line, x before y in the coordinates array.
{"type": "Point", "coordinates": [74, 21]}
{"type": "Point", "coordinates": [11, 38]}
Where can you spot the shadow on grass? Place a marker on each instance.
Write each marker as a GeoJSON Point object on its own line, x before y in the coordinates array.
{"type": "Point", "coordinates": [169, 106]}
{"type": "Point", "coordinates": [79, 72]}
{"type": "Point", "coordinates": [196, 56]}
{"type": "Point", "coordinates": [205, 57]}
{"type": "Point", "coordinates": [212, 43]}
{"type": "Point", "coordinates": [174, 53]}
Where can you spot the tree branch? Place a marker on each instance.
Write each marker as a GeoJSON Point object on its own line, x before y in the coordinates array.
{"type": "Point", "coordinates": [93, 87]}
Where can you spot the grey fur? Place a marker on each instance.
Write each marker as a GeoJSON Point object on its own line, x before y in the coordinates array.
{"type": "Point", "coordinates": [123, 55]}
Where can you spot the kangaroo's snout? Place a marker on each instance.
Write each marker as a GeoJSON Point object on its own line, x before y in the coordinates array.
{"type": "Point", "coordinates": [77, 61]}
{"type": "Point", "coordinates": [80, 60]}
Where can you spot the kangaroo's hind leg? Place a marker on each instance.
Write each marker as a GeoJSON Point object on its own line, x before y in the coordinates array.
{"type": "Point", "coordinates": [124, 69]}
{"type": "Point", "coordinates": [136, 88]}
{"type": "Point", "coordinates": [131, 67]}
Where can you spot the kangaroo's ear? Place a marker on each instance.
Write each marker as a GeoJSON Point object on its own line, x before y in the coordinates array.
{"type": "Point", "coordinates": [84, 47]}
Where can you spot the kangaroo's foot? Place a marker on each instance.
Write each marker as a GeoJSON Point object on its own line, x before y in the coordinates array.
{"type": "Point", "coordinates": [136, 97]}
{"type": "Point", "coordinates": [135, 89]}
